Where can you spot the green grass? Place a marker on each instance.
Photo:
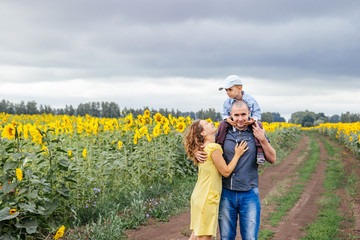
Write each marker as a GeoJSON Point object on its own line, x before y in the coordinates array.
{"type": "Point", "coordinates": [352, 180]}
{"type": "Point", "coordinates": [157, 201]}
{"type": "Point", "coordinates": [329, 222]}
{"type": "Point", "coordinates": [287, 200]}
{"type": "Point", "coordinates": [265, 234]}
{"type": "Point", "coordinates": [331, 150]}
{"type": "Point", "coordinates": [285, 203]}
{"type": "Point", "coordinates": [327, 225]}
{"type": "Point", "coordinates": [282, 151]}
{"type": "Point", "coordinates": [352, 236]}
{"type": "Point", "coordinates": [310, 165]}
{"type": "Point", "coordinates": [352, 184]}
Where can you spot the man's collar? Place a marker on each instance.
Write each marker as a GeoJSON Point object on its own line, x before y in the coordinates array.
{"type": "Point", "coordinates": [245, 129]}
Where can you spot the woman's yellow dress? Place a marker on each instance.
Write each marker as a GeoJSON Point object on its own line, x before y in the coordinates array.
{"type": "Point", "coordinates": [205, 198]}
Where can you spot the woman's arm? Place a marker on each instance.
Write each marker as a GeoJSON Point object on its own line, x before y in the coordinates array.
{"type": "Point", "coordinates": [220, 163]}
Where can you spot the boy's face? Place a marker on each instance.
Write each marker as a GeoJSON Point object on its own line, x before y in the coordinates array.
{"type": "Point", "coordinates": [234, 92]}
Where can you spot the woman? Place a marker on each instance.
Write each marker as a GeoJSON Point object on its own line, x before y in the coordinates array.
{"type": "Point", "coordinates": [206, 195]}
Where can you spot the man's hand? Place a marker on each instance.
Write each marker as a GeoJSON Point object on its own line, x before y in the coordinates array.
{"type": "Point", "coordinates": [230, 121]}
{"type": "Point", "coordinates": [201, 156]}
{"type": "Point", "coordinates": [269, 151]}
{"type": "Point", "coordinates": [258, 132]}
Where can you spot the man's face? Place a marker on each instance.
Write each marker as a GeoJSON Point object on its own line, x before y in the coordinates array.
{"type": "Point", "coordinates": [240, 116]}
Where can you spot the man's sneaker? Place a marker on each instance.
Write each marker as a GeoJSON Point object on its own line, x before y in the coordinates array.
{"type": "Point", "coordinates": [260, 158]}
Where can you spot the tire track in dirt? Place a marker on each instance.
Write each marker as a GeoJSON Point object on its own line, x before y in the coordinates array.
{"type": "Point", "coordinates": [350, 204]}
{"type": "Point", "coordinates": [178, 226]}
{"type": "Point", "coordinates": [305, 210]}
{"type": "Point", "coordinates": [275, 174]}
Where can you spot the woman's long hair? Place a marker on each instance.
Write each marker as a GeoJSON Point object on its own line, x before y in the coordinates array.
{"type": "Point", "coordinates": [193, 140]}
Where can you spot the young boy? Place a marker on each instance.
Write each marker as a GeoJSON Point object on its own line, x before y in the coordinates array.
{"type": "Point", "coordinates": [233, 87]}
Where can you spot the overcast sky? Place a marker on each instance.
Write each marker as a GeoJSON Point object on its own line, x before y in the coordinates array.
{"type": "Point", "coordinates": [292, 55]}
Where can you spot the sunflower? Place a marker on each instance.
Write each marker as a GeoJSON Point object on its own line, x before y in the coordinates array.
{"type": "Point", "coordinates": [141, 120]}
{"type": "Point", "coordinates": [19, 129]}
{"type": "Point", "coordinates": [180, 126]}
{"type": "Point", "coordinates": [143, 130]}
{"type": "Point", "coordinates": [146, 114]}
{"type": "Point", "coordinates": [36, 135]}
{"type": "Point", "coordinates": [165, 120]}
{"type": "Point", "coordinates": [129, 120]}
{"type": "Point", "coordinates": [137, 136]}
{"type": "Point", "coordinates": [26, 131]}
{"type": "Point", "coordinates": [148, 120]}
{"type": "Point", "coordinates": [182, 119]}
{"type": "Point", "coordinates": [158, 117]}
{"type": "Point", "coordinates": [60, 233]}
{"type": "Point", "coordinates": [188, 120]}
{"type": "Point", "coordinates": [120, 143]}
{"type": "Point", "coordinates": [84, 153]}
{"type": "Point", "coordinates": [148, 137]}
{"type": "Point", "coordinates": [8, 132]}
{"type": "Point", "coordinates": [166, 128]}
{"type": "Point", "coordinates": [19, 174]}
{"type": "Point", "coordinates": [156, 131]}
{"type": "Point", "coordinates": [45, 149]}
{"type": "Point", "coordinates": [172, 120]}
{"type": "Point", "coordinates": [12, 211]}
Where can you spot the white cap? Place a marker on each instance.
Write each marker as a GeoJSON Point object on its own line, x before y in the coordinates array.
{"type": "Point", "coordinates": [231, 81]}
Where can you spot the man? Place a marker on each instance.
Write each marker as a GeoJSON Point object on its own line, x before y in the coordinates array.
{"type": "Point", "coordinates": [240, 193]}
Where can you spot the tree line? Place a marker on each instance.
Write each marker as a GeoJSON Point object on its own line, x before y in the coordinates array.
{"type": "Point", "coordinates": [112, 110]}
{"type": "Point", "coordinates": [311, 119]}
{"type": "Point", "coordinates": [272, 117]}
{"type": "Point", "coordinates": [99, 109]}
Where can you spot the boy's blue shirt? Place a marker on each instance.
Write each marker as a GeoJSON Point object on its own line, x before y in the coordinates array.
{"type": "Point", "coordinates": [255, 111]}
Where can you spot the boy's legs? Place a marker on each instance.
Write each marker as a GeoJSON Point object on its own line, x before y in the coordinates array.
{"type": "Point", "coordinates": [222, 130]}
{"type": "Point", "coordinates": [260, 157]}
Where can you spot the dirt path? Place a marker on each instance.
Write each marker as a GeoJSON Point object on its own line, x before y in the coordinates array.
{"type": "Point", "coordinates": [273, 177]}
{"type": "Point", "coordinates": [177, 227]}
{"type": "Point", "coordinates": [307, 207]}
{"type": "Point", "coordinates": [350, 205]}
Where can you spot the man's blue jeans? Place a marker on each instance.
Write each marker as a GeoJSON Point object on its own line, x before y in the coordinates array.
{"type": "Point", "coordinates": [244, 204]}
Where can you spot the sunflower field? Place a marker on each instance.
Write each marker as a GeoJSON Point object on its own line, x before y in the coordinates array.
{"type": "Point", "coordinates": [347, 134]}
{"type": "Point", "coordinates": [60, 171]}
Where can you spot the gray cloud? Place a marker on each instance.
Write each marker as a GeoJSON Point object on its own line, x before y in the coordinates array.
{"type": "Point", "coordinates": [167, 37]}
{"type": "Point", "coordinates": [303, 48]}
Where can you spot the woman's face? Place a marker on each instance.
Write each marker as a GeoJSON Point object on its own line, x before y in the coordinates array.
{"type": "Point", "coordinates": [209, 128]}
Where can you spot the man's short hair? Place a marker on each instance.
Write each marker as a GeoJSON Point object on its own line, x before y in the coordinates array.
{"type": "Point", "coordinates": [239, 104]}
